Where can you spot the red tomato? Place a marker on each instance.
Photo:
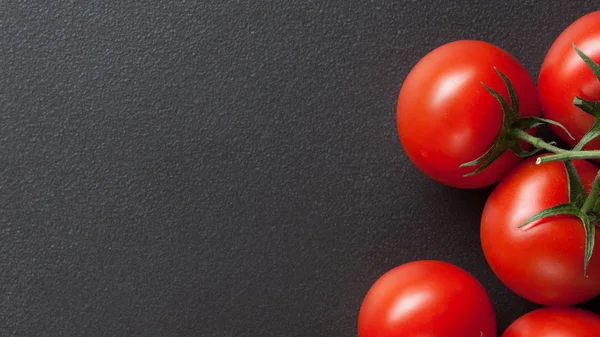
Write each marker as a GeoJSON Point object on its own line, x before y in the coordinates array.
{"type": "Point", "coordinates": [565, 75]}
{"type": "Point", "coordinates": [555, 322]}
{"type": "Point", "coordinates": [543, 261]}
{"type": "Point", "coordinates": [427, 298]}
{"type": "Point", "coordinates": [446, 117]}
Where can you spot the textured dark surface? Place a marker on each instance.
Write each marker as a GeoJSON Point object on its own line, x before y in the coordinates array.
{"type": "Point", "coordinates": [227, 168]}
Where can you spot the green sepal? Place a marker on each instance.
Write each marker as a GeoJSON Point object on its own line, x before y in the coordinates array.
{"type": "Point", "coordinates": [596, 206]}
{"type": "Point", "coordinates": [579, 205]}
{"type": "Point", "coordinates": [486, 160]}
{"type": "Point", "coordinates": [502, 142]}
{"type": "Point", "coordinates": [589, 136]}
{"type": "Point", "coordinates": [512, 95]}
{"type": "Point", "coordinates": [562, 209]}
{"type": "Point", "coordinates": [510, 111]}
{"type": "Point", "coordinates": [588, 60]}
{"type": "Point", "coordinates": [590, 240]}
{"type": "Point", "coordinates": [591, 107]}
{"type": "Point", "coordinates": [526, 123]}
{"type": "Point", "coordinates": [506, 108]}
{"type": "Point", "coordinates": [500, 145]}
{"type": "Point", "coordinates": [577, 194]}
{"type": "Point", "coordinates": [510, 121]}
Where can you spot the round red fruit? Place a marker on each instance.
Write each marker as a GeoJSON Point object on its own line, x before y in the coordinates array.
{"type": "Point", "coordinates": [556, 322]}
{"type": "Point", "coordinates": [544, 260]}
{"type": "Point", "coordinates": [564, 76]}
{"type": "Point", "coordinates": [427, 298]}
{"type": "Point", "coordinates": [446, 117]}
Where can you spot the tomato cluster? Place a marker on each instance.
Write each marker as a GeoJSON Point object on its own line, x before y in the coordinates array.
{"type": "Point", "coordinates": [467, 115]}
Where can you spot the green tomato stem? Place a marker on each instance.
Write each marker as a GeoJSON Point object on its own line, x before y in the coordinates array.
{"type": "Point", "coordinates": [559, 154]}
{"type": "Point", "coordinates": [569, 155]}
{"type": "Point", "coordinates": [537, 142]}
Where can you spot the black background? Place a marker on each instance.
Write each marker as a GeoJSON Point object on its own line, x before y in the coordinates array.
{"type": "Point", "coordinates": [227, 168]}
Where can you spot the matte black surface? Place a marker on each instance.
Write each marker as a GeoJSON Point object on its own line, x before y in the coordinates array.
{"type": "Point", "coordinates": [227, 168]}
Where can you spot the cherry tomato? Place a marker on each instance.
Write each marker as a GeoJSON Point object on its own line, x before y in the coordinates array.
{"type": "Point", "coordinates": [555, 322]}
{"type": "Point", "coordinates": [565, 75]}
{"type": "Point", "coordinates": [427, 298]}
{"type": "Point", "coordinates": [446, 117]}
{"type": "Point", "coordinates": [543, 261]}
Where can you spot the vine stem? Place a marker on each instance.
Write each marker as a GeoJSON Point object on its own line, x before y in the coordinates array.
{"type": "Point", "coordinates": [569, 155]}
{"type": "Point", "coordinates": [538, 142]}
{"type": "Point", "coordinates": [559, 154]}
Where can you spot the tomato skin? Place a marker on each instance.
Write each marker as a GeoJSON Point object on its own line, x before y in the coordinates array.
{"type": "Point", "coordinates": [565, 75]}
{"type": "Point", "coordinates": [445, 117]}
{"type": "Point", "coordinates": [426, 298]}
{"type": "Point", "coordinates": [543, 261]}
{"type": "Point", "coordinates": [555, 322]}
